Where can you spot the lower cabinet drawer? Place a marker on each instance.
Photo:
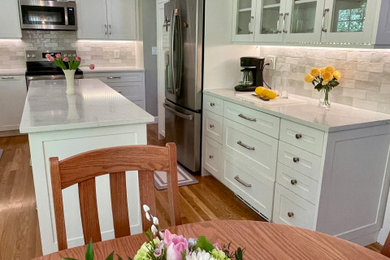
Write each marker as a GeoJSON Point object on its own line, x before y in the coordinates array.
{"type": "Point", "coordinates": [292, 210]}
{"type": "Point", "coordinates": [256, 150]}
{"type": "Point", "coordinates": [212, 126]}
{"type": "Point", "coordinates": [300, 160]}
{"type": "Point", "coordinates": [212, 155]}
{"type": "Point", "coordinates": [297, 183]}
{"type": "Point", "coordinates": [132, 92]}
{"type": "Point", "coordinates": [256, 189]}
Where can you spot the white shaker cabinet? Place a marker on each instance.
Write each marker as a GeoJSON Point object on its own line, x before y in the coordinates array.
{"type": "Point", "coordinates": [107, 19]}
{"type": "Point", "coordinates": [9, 20]}
{"type": "Point", "coordinates": [130, 84]}
{"type": "Point", "coordinates": [319, 174]}
{"type": "Point", "coordinates": [244, 12]}
{"type": "Point", "coordinates": [12, 96]}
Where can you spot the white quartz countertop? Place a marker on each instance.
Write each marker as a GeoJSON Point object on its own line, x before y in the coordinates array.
{"type": "Point", "coordinates": [94, 104]}
{"type": "Point", "coordinates": [110, 69]}
{"type": "Point", "coordinates": [306, 111]}
{"type": "Point", "coordinates": [12, 72]}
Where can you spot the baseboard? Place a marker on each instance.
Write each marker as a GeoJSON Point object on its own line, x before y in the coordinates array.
{"type": "Point", "coordinates": [156, 119]}
{"type": "Point", "coordinates": [10, 133]}
{"type": "Point", "coordinates": [383, 233]}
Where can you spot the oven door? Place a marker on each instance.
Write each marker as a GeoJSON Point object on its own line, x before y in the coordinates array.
{"type": "Point", "coordinates": [48, 15]}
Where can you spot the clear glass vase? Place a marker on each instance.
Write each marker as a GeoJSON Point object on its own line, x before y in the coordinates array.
{"type": "Point", "coordinates": [324, 98]}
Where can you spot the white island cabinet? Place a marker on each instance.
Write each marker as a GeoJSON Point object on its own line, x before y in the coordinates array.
{"type": "Point", "coordinates": [60, 125]}
{"type": "Point", "coordinates": [298, 164]}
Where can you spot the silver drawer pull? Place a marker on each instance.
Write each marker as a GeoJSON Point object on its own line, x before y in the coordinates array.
{"type": "Point", "coordinates": [116, 77]}
{"type": "Point", "coordinates": [290, 214]}
{"type": "Point", "coordinates": [247, 118]}
{"type": "Point", "coordinates": [212, 104]}
{"type": "Point", "coordinates": [8, 77]}
{"type": "Point", "coordinates": [237, 178]}
{"type": "Point", "coordinates": [294, 182]}
{"type": "Point", "coordinates": [298, 136]}
{"type": "Point", "coordinates": [296, 159]}
{"type": "Point", "coordinates": [245, 146]}
{"type": "Point", "coordinates": [211, 157]}
{"type": "Point", "coordinates": [211, 126]}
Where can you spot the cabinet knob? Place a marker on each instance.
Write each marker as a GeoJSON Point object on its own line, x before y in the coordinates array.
{"type": "Point", "coordinates": [211, 126]}
{"type": "Point", "coordinates": [294, 182]}
{"type": "Point", "coordinates": [298, 136]}
{"type": "Point", "coordinates": [290, 214]}
{"type": "Point", "coordinates": [211, 157]}
{"type": "Point", "coordinates": [296, 159]}
{"type": "Point", "coordinates": [212, 104]}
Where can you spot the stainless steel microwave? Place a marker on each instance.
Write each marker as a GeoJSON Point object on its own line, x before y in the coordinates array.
{"type": "Point", "coordinates": [48, 15]}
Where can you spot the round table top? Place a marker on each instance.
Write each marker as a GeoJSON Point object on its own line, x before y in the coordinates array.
{"type": "Point", "coordinates": [261, 240]}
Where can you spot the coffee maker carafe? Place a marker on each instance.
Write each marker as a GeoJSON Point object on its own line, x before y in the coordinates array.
{"type": "Point", "coordinates": [252, 74]}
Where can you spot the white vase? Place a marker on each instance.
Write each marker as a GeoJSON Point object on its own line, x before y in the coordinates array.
{"type": "Point", "coordinates": [69, 75]}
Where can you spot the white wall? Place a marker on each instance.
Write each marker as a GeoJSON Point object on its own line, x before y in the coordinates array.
{"type": "Point", "coordinates": [221, 56]}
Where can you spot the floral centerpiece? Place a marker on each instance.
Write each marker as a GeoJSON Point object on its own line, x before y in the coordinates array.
{"type": "Point", "coordinates": [69, 65]}
{"type": "Point", "coordinates": [163, 245]}
{"type": "Point", "coordinates": [324, 80]}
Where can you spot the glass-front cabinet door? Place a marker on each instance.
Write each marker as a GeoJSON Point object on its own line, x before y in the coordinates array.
{"type": "Point", "coordinates": [302, 21]}
{"type": "Point", "coordinates": [349, 21]}
{"type": "Point", "coordinates": [244, 19]}
{"type": "Point", "coordinates": [269, 18]}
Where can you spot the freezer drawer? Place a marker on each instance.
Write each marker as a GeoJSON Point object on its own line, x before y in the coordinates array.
{"type": "Point", "coordinates": [183, 127]}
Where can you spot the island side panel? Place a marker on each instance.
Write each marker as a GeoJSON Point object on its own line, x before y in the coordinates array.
{"type": "Point", "coordinates": [355, 184]}
{"type": "Point", "coordinates": [64, 144]}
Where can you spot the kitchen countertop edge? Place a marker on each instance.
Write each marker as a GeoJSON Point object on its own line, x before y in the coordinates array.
{"type": "Point", "coordinates": [315, 125]}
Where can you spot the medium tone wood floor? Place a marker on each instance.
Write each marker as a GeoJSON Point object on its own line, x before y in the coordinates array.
{"type": "Point", "coordinates": [19, 232]}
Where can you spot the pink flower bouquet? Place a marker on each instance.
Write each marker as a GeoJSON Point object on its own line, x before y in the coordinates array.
{"type": "Point", "coordinates": [66, 63]}
{"type": "Point", "coordinates": [168, 246]}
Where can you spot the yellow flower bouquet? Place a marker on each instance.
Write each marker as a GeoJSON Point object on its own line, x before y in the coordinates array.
{"type": "Point", "coordinates": [324, 79]}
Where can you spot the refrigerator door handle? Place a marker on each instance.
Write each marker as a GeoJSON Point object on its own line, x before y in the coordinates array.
{"type": "Point", "coordinates": [179, 114]}
{"type": "Point", "coordinates": [176, 51]}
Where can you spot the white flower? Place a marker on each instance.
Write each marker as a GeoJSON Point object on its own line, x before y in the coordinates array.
{"type": "Point", "coordinates": [147, 215]}
{"type": "Point", "coordinates": [146, 208]}
{"type": "Point", "coordinates": [199, 255]}
{"type": "Point", "coordinates": [154, 229]}
{"type": "Point", "coordinates": [155, 221]}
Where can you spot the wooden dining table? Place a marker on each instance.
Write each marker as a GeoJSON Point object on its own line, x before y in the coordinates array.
{"type": "Point", "coordinates": [261, 240]}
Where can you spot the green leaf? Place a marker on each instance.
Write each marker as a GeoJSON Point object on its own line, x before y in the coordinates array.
{"type": "Point", "coordinates": [89, 253]}
{"type": "Point", "coordinates": [111, 256]}
{"type": "Point", "coordinates": [149, 236]}
{"type": "Point", "coordinates": [119, 257]}
{"type": "Point", "coordinates": [239, 254]}
{"type": "Point", "coordinates": [204, 244]}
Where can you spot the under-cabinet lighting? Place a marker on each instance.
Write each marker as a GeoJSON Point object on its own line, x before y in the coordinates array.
{"type": "Point", "coordinates": [325, 48]}
{"type": "Point", "coordinates": [105, 41]}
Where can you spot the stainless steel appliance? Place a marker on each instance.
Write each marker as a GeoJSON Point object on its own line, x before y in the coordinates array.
{"type": "Point", "coordinates": [183, 79]}
{"type": "Point", "coordinates": [39, 68]}
{"type": "Point", "coordinates": [48, 15]}
{"type": "Point", "coordinates": [252, 73]}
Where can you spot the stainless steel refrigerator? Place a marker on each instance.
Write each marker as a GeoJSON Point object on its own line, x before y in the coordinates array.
{"type": "Point", "coordinates": [183, 79]}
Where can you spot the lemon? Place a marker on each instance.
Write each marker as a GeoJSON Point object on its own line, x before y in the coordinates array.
{"type": "Point", "coordinates": [259, 91]}
{"type": "Point", "coordinates": [269, 94]}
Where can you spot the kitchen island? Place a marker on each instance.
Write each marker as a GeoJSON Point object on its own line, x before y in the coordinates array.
{"type": "Point", "coordinates": [60, 125]}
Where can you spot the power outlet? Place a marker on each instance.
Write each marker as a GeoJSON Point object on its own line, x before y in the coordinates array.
{"type": "Point", "coordinates": [117, 54]}
{"type": "Point", "coordinates": [272, 62]}
{"type": "Point", "coordinates": [154, 50]}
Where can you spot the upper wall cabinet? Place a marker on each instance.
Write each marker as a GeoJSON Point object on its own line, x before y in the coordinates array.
{"type": "Point", "coordinates": [107, 19]}
{"type": "Point", "coordinates": [9, 20]}
{"type": "Point", "coordinates": [243, 19]}
{"type": "Point", "coordinates": [313, 22]}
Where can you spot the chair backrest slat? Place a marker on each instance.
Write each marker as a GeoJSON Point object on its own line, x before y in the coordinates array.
{"type": "Point", "coordinates": [82, 169]}
{"type": "Point", "coordinates": [120, 211]}
{"type": "Point", "coordinates": [147, 195]}
{"type": "Point", "coordinates": [88, 210]}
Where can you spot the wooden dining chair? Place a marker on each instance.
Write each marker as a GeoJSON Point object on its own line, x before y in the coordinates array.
{"type": "Point", "coordinates": [83, 168]}
{"type": "Point", "coordinates": [386, 247]}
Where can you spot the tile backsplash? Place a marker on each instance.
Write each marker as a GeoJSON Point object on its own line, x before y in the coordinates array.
{"type": "Point", "coordinates": [101, 53]}
{"type": "Point", "coordinates": [365, 73]}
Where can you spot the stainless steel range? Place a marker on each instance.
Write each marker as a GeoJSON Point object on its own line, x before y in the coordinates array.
{"type": "Point", "coordinates": [39, 68]}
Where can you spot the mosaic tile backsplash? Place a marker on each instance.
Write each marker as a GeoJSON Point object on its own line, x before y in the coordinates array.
{"type": "Point", "coordinates": [101, 53]}
{"type": "Point", "coordinates": [365, 79]}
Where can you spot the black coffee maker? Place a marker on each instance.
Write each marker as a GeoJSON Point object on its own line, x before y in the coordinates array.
{"type": "Point", "coordinates": [252, 74]}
